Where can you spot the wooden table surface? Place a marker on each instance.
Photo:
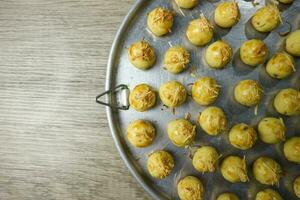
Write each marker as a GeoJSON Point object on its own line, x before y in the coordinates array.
{"type": "Point", "coordinates": [54, 138]}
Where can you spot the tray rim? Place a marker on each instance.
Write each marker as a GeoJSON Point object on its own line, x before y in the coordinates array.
{"type": "Point", "coordinates": [109, 111]}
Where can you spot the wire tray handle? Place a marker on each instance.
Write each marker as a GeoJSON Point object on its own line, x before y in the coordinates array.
{"type": "Point", "coordinates": [121, 92]}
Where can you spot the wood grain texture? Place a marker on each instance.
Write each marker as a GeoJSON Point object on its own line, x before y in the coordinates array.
{"type": "Point", "coordinates": [54, 138]}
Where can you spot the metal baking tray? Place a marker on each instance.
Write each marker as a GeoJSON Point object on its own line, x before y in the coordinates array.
{"type": "Point", "coordinates": [122, 74]}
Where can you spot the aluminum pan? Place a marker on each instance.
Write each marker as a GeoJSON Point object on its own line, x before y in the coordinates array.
{"type": "Point", "coordinates": [121, 72]}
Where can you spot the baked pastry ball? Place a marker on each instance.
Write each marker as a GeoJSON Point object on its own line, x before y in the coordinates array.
{"type": "Point", "coordinates": [248, 92]}
{"type": "Point", "coordinates": [212, 120]}
{"type": "Point", "coordinates": [268, 194]}
{"type": "Point", "coordinates": [172, 94]}
{"type": "Point", "coordinates": [227, 14]}
{"type": "Point", "coordinates": [287, 102]}
{"type": "Point", "coordinates": [267, 171]}
{"type": "Point", "coordinates": [141, 55]}
{"type": "Point", "coordinates": [285, 1]}
{"type": "Point", "coordinates": [281, 65]}
{"type": "Point", "coordinates": [271, 130]}
{"type": "Point", "coordinates": [218, 54]}
{"type": "Point", "coordinates": [205, 159]}
{"type": "Point", "coordinates": [190, 188]}
{"type": "Point", "coordinates": [227, 196]}
{"type": "Point", "coordinates": [291, 149]}
{"type": "Point", "coordinates": [296, 186]}
{"type": "Point", "coordinates": [234, 169]}
{"type": "Point", "coordinates": [142, 97]}
{"type": "Point", "coordinates": [181, 132]}
{"type": "Point", "coordinates": [242, 136]}
{"type": "Point", "coordinates": [160, 21]}
{"type": "Point", "coordinates": [200, 31]}
{"type": "Point", "coordinates": [187, 4]}
{"type": "Point", "coordinates": [140, 133]}
{"type": "Point", "coordinates": [160, 164]}
{"type": "Point", "coordinates": [176, 59]}
{"type": "Point", "coordinates": [266, 18]}
{"type": "Point", "coordinates": [253, 52]}
{"type": "Point", "coordinates": [292, 44]}
{"type": "Point", "coordinates": [205, 90]}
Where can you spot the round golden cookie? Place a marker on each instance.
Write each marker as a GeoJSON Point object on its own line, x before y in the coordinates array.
{"type": "Point", "coordinates": [205, 90]}
{"type": "Point", "coordinates": [242, 136]}
{"type": "Point", "coordinates": [172, 94]}
{"type": "Point", "coordinates": [281, 65]}
{"type": "Point", "coordinates": [271, 130]}
{"type": "Point", "coordinates": [187, 4]}
{"type": "Point", "coordinates": [176, 59]}
{"type": "Point", "coordinates": [248, 92]}
{"type": "Point", "coordinates": [268, 194]}
{"type": "Point", "coordinates": [160, 21]}
{"type": "Point", "coordinates": [141, 133]}
{"type": "Point", "coordinates": [142, 55]}
{"type": "Point", "coordinates": [218, 54]}
{"type": "Point", "coordinates": [205, 159]}
{"type": "Point", "coordinates": [142, 97]}
{"type": "Point", "coordinates": [267, 171]}
{"type": "Point", "coordinates": [266, 18]}
{"type": "Point", "coordinates": [212, 120]}
{"type": "Point", "coordinates": [227, 14]}
{"type": "Point", "coordinates": [287, 102]}
{"type": "Point", "coordinates": [200, 31]}
{"type": "Point", "coordinates": [190, 188]}
{"type": "Point", "coordinates": [228, 196]}
{"type": "Point", "coordinates": [291, 149]}
{"type": "Point", "coordinates": [296, 186]}
{"type": "Point", "coordinates": [181, 132]}
{"type": "Point", "coordinates": [286, 1]}
{"type": "Point", "coordinates": [292, 44]}
{"type": "Point", "coordinates": [253, 52]}
{"type": "Point", "coordinates": [160, 164]}
{"type": "Point", "coordinates": [234, 169]}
